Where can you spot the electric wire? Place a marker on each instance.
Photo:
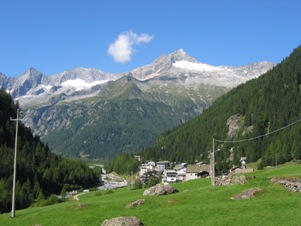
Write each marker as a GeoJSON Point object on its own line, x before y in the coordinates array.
{"type": "Point", "coordinates": [257, 137]}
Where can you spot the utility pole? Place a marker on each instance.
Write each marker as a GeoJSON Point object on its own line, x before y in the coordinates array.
{"type": "Point", "coordinates": [15, 164]}
{"type": "Point", "coordinates": [212, 164]}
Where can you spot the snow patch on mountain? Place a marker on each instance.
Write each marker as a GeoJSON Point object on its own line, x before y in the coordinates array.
{"type": "Point", "coordinates": [47, 88]}
{"type": "Point", "coordinates": [198, 66]}
{"type": "Point", "coordinates": [79, 84]}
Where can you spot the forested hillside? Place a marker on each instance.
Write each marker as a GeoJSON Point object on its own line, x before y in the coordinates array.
{"type": "Point", "coordinates": [40, 173]}
{"type": "Point", "coordinates": [265, 104]}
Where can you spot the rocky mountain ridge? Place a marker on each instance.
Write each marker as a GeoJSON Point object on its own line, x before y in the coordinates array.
{"type": "Point", "coordinates": [121, 112]}
{"type": "Point", "coordinates": [34, 86]}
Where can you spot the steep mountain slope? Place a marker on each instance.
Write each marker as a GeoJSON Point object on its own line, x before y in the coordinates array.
{"type": "Point", "coordinates": [40, 173]}
{"type": "Point", "coordinates": [256, 108]}
{"type": "Point", "coordinates": [122, 118]}
{"type": "Point", "coordinates": [86, 112]}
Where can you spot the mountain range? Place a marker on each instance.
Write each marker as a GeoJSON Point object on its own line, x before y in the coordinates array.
{"type": "Point", "coordinates": [89, 113]}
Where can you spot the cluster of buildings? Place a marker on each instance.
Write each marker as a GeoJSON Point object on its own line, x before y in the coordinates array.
{"type": "Point", "coordinates": [178, 173]}
{"type": "Point", "coordinates": [182, 172]}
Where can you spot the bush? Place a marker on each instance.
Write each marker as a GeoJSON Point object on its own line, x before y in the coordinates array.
{"type": "Point", "coordinates": [53, 199]}
{"type": "Point", "coordinates": [137, 185]}
{"type": "Point", "coordinates": [99, 193]}
{"type": "Point", "coordinates": [152, 181]}
{"type": "Point", "coordinates": [93, 189]}
{"type": "Point", "coordinates": [109, 191]}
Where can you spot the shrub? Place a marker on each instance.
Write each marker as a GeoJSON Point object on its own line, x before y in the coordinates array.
{"type": "Point", "coordinates": [93, 189]}
{"type": "Point", "coordinates": [109, 191]}
{"type": "Point", "coordinates": [137, 184]}
{"type": "Point", "coordinates": [152, 181]}
{"type": "Point", "coordinates": [99, 193]}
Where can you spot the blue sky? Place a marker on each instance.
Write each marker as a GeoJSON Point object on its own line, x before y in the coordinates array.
{"type": "Point", "coordinates": [120, 35]}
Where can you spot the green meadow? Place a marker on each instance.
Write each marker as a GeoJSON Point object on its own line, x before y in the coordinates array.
{"type": "Point", "coordinates": [196, 203]}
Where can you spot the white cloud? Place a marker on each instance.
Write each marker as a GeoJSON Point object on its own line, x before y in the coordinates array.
{"type": "Point", "coordinates": [122, 48]}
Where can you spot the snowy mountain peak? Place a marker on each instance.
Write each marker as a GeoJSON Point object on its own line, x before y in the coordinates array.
{"type": "Point", "coordinates": [181, 51]}
{"type": "Point", "coordinates": [180, 55]}
{"type": "Point", "coordinates": [32, 73]}
{"type": "Point", "coordinates": [32, 76]}
{"type": "Point", "coordinates": [226, 76]}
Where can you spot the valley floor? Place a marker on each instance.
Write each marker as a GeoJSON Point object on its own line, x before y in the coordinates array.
{"type": "Point", "coordinates": [196, 203]}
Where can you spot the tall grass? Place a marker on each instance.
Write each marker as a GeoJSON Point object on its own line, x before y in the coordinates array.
{"type": "Point", "coordinates": [197, 203]}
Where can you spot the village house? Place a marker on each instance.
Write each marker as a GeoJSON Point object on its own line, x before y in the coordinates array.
{"type": "Point", "coordinates": [146, 167]}
{"type": "Point", "coordinates": [162, 165]}
{"type": "Point", "coordinates": [181, 175]}
{"type": "Point", "coordinates": [197, 171]}
{"type": "Point", "coordinates": [243, 169]}
{"type": "Point", "coordinates": [170, 176]}
{"type": "Point", "coordinates": [239, 170]}
{"type": "Point", "coordinates": [181, 171]}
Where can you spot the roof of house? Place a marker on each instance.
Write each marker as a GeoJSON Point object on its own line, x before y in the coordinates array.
{"type": "Point", "coordinates": [197, 168]}
{"type": "Point", "coordinates": [163, 162]}
{"type": "Point", "coordinates": [179, 167]}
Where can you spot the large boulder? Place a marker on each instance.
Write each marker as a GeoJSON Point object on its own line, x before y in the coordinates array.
{"type": "Point", "coordinates": [123, 221]}
{"type": "Point", "coordinates": [160, 189]}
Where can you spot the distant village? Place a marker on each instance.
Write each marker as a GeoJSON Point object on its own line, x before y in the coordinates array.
{"type": "Point", "coordinates": [171, 173]}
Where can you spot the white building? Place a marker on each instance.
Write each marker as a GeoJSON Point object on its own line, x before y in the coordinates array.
{"type": "Point", "coordinates": [150, 166]}
{"type": "Point", "coordinates": [162, 165]}
{"type": "Point", "coordinates": [170, 176]}
{"type": "Point", "coordinates": [197, 171]}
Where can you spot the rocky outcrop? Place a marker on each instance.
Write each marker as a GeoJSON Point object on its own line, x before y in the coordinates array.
{"type": "Point", "coordinates": [232, 179]}
{"type": "Point", "coordinates": [291, 184]}
{"type": "Point", "coordinates": [247, 194]}
{"type": "Point", "coordinates": [160, 189]}
{"type": "Point", "coordinates": [136, 203]}
{"type": "Point", "coordinates": [123, 221]}
{"type": "Point", "coordinates": [236, 124]}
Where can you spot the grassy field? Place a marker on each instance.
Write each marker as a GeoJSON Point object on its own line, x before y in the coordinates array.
{"type": "Point", "coordinates": [197, 203]}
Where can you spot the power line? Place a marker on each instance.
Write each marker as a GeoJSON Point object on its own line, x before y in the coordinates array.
{"type": "Point", "coordinates": [254, 138]}
{"type": "Point", "coordinates": [212, 164]}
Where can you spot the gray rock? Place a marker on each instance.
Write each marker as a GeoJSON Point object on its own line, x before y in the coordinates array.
{"type": "Point", "coordinates": [136, 203]}
{"type": "Point", "coordinates": [291, 184]}
{"type": "Point", "coordinates": [82, 205]}
{"type": "Point", "coordinates": [123, 221]}
{"type": "Point", "coordinates": [232, 179]}
{"type": "Point", "coordinates": [235, 124]}
{"type": "Point", "coordinates": [160, 189]}
{"type": "Point", "coordinates": [247, 194]}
